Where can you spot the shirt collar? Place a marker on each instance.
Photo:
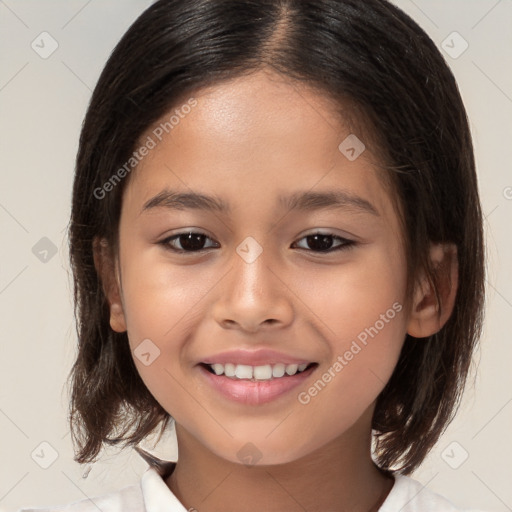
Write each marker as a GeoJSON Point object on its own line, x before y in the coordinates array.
{"type": "Point", "coordinates": [156, 495]}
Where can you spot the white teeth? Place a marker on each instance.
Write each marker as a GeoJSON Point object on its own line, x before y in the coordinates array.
{"type": "Point", "coordinates": [229, 370]}
{"type": "Point", "coordinates": [264, 372]}
{"type": "Point", "coordinates": [291, 369]}
{"type": "Point", "coordinates": [218, 368]}
{"type": "Point", "coordinates": [243, 371]}
{"type": "Point", "coordinates": [278, 370]}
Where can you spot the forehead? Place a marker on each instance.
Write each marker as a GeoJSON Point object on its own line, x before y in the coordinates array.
{"type": "Point", "coordinates": [259, 110]}
{"type": "Point", "coordinates": [254, 138]}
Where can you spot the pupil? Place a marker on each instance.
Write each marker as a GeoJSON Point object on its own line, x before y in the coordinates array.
{"type": "Point", "coordinates": [192, 241]}
{"type": "Point", "coordinates": [320, 242]}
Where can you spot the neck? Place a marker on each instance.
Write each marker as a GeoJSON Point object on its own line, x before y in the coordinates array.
{"type": "Point", "coordinates": [340, 477]}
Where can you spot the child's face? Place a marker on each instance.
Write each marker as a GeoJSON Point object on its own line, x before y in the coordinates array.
{"type": "Point", "coordinates": [247, 143]}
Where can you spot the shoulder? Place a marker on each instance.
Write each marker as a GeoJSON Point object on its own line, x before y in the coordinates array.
{"type": "Point", "coordinates": [409, 495]}
{"type": "Point", "coordinates": [128, 499]}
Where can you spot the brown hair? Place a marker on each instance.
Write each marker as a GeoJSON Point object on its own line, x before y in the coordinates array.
{"type": "Point", "coordinates": [373, 54]}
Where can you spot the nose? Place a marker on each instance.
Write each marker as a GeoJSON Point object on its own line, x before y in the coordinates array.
{"type": "Point", "coordinates": [253, 296]}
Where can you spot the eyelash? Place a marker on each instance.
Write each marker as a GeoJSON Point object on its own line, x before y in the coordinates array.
{"type": "Point", "coordinates": [344, 245]}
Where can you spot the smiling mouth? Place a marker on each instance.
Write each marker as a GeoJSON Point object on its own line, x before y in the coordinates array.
{"type": "Point", "coordinates": [257, 373]}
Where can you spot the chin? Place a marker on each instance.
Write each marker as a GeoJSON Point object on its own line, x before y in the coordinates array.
{"type": "Point", "coordinates": [259, 451]}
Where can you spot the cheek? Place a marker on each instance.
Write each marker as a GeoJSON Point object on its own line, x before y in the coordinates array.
{"type": "Point", "coordinates": [163, 306]}
{"type": "Point", "coordinates": [352, 297]}
{"type": "Point", "coordinates": [159, 298]}
{"type": "Point", "coordinates": [363, 355]}
{"type": "Point", "coordinates": [362, 313]}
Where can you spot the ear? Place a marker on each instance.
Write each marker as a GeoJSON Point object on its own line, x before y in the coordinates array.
{"type": "Point", "coordinates": [428, 315]}
{"type": "Point", "coordinates": [107, 269]}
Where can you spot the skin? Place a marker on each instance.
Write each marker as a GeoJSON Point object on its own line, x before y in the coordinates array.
{"type": "Point", "coordinates": [248, 141]}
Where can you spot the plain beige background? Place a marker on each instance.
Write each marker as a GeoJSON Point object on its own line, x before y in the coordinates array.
{"type": "Point", "coordinates": [42, 104]}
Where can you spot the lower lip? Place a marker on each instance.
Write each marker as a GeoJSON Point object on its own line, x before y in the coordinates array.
{"type": "Point", "coordinates": [255, 392]}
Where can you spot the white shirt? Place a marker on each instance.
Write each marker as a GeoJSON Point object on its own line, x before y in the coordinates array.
{"type": "Point", "coordinates": [153, 495]}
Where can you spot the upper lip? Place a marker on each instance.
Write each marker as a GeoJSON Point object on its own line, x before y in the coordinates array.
{"type": "Point", "coordinates": [254, 357]}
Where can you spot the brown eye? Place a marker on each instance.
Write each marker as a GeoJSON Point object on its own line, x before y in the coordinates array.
{"type": "Point", "coordinates": [188, 242]}
{"type": "Point", "coordinates": [324, 242]}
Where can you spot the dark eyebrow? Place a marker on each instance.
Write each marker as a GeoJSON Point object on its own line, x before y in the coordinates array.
{"type": "Point", "coordinates": [184, 200]}
{"type": "Point", "coordinates": [305, 200]}
{"type": "Point", "coordinates": [327, 200]}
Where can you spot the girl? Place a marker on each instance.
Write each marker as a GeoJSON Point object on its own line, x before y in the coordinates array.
{"type": "Point", "coordinates": [276, 241]}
